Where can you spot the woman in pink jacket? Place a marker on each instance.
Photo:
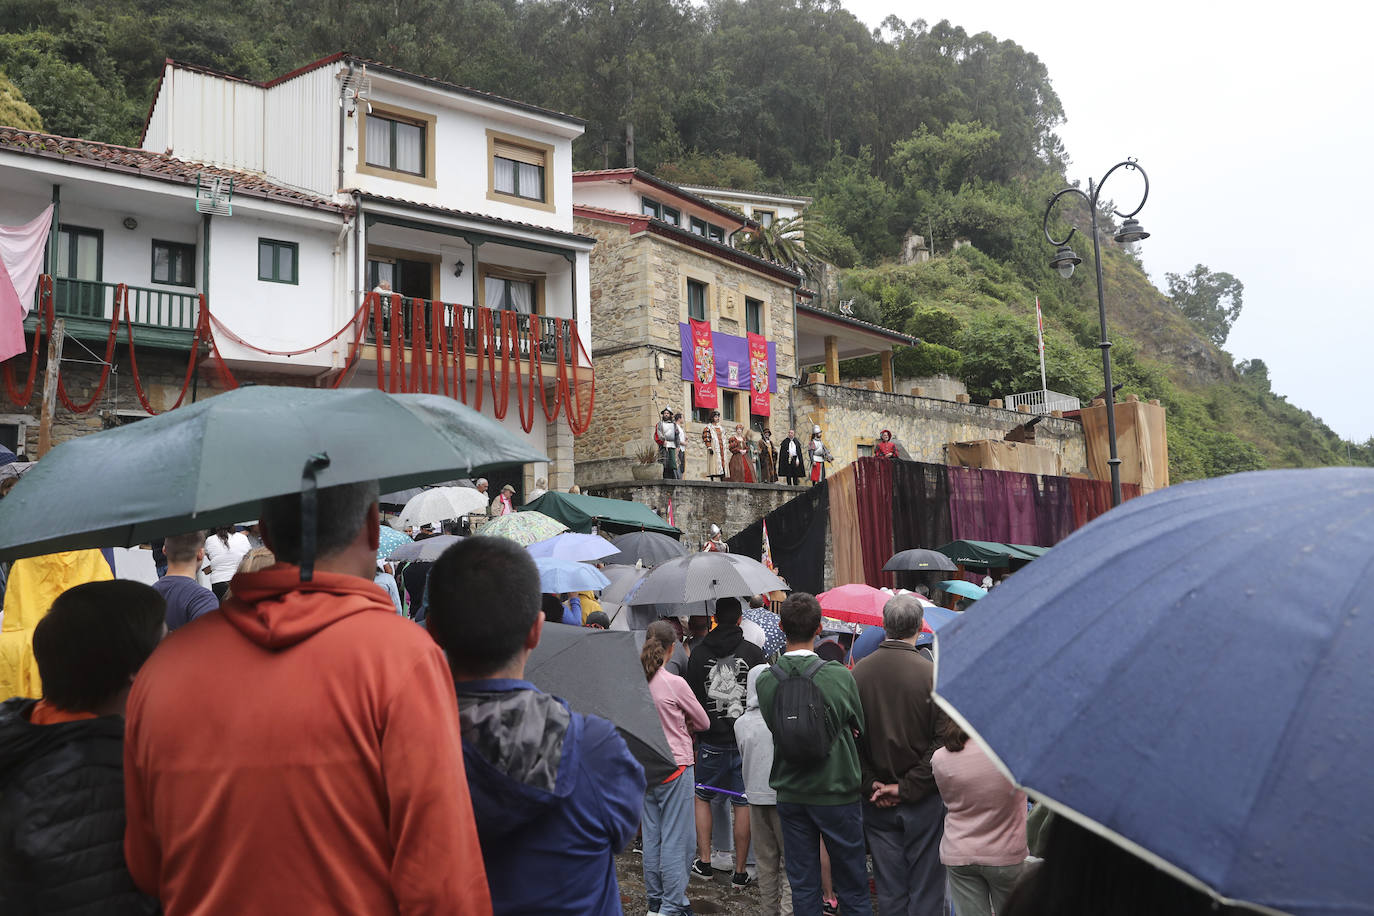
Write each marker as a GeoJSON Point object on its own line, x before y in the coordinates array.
{"type": "Point", "coordinates": [984, 844]}
{"type": "Point", "coordinates": [669, 826]}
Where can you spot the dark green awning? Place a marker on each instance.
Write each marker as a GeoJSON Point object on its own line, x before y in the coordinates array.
{"type": "Point", "coordinates": [988, 554]}
{"type": "Point", "coordinates": [616, 516]}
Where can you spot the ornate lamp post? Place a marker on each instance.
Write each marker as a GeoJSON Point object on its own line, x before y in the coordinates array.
{"type": "Point", "coordinates": [1065, 261]}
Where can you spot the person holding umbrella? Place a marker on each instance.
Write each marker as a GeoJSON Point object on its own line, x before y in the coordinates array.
{"type": "Point", "coordinates": [668, 824]}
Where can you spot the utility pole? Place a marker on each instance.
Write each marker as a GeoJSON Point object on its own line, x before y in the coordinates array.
{"type": "Point", "coordinates": [59, 331]}
{"type": "Point", "coordinates": [629, 146]}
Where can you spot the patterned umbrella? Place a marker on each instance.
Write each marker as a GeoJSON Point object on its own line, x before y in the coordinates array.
{"type": "Point", "coordinates": [390, 539]}
{"type": "Point", "coordinates": [524, 528]}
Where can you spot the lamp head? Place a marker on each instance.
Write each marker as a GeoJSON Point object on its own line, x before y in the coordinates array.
{"type": "Point", "coordinates": [1131, 231]}
{"type": "Point", "coordinates": [1065, 261]}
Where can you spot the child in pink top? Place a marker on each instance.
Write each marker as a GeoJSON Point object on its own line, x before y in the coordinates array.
{"type": "Point", "coordinates": [984, 844]}
{"type": "Point", "coordinates": [669, 825]}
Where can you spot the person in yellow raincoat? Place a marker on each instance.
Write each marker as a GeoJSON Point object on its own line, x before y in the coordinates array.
{"type": "Point", "coordinates": [34, 583]}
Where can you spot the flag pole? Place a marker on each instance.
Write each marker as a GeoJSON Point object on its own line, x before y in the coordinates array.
{"type": "Point", "coordinates": [1040, 337]}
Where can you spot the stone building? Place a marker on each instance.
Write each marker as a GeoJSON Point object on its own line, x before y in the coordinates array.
{"type": "Point", "coordinates": [663, 257]}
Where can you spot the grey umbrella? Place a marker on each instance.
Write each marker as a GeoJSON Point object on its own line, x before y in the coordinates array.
{"type": "Point", "coordinates": [647, 547]}
{"type": "Point", "coordinates": [598, 672]}
{"type": "Point", "coordinates": [425, 550]}
{"type": "Point", "coordinates": [920, 560]}
{"type": "Point", "coordinates": [706, 576]}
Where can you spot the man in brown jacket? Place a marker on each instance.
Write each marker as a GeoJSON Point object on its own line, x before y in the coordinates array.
{"type": "Point", "coordinates": [903, 814]}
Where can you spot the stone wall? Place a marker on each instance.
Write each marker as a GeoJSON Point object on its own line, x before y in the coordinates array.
{"type": "Point", "coordinates": [698, 504]}
{"type": "Point", "coordinates": [850, 417]}
{"type": "Point", "coordinates": [638, 298]}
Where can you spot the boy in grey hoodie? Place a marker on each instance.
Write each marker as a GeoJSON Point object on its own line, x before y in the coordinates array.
{"type": "Point", "coordinates": [756, 750]}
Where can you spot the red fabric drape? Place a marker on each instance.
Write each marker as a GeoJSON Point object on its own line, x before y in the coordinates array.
{"type": "Point", "coordinates": [873, 488]}
{"type": "Point", "coordinates": [1090, 499]}
{"type": "Point", "coordinates": [1018, 502]}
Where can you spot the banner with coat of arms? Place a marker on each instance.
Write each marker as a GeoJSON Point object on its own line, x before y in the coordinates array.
{"type": "Point", "coordinates": [758, 374]}
{"type": "Point", "coordinates": [704, 392]}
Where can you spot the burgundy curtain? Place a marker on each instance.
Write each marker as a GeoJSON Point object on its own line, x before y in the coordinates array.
{"type": "Point", "coordinates": [1053, 510]}
{"type": "Point", "coordinates": [1090, 499]}
{"type": "Point", "coordinates": [1018, 497]}
{"type": "Point", "coordinates": [873, 487]}
{"type": "Point", "coordinates": [966, 504]}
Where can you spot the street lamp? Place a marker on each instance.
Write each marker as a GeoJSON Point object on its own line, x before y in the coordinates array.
{"type": "Point", "coordinates": [1065, 260]}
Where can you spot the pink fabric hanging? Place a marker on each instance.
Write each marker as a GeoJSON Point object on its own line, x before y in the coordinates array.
{"type": "Point", "coordinates": [21, 261]}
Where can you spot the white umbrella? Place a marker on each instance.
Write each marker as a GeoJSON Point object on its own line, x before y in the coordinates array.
{"type": "Point", "coordinates": [439, 504]}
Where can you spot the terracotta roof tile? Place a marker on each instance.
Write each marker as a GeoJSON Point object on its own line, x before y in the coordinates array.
{"type": "Point", "coordinates": [467, 214]}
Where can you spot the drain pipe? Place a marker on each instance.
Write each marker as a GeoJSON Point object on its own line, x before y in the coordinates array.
{"type": "Point", "coordinates": [343, 115]}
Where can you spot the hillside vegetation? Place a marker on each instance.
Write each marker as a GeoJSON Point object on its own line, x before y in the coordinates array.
{"type": "Point", "coordinates": [911, 127]}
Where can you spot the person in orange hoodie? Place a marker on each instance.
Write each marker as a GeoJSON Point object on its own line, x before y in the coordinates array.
{"type": "Point", "coordinates": [299, 752]}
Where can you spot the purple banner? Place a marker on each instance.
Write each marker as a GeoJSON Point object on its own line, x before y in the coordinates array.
{"type": "Point", "coordinates": [732, 360]}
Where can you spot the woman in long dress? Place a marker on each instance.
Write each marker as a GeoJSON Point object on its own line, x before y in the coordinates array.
{"type": "Point", "coordinates": [739, 459]}
{"type": "Point", "coordinates": [768, 458]}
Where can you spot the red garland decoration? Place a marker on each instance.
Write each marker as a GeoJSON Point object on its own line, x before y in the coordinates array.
{"type": "Point", "coordinates": [355, 352]}
{"type": "Point", "coordinates": [202, 331]}
{"type": "Point", "coordinates": [378, 340]}
{"type": "Point", "coordinates": [398, 360]}
{"type": "Point", "coordinates": [45, 314]}
{"type": "Point", "coordinates": [121, 303]}
{"type": "Point", "coordinates": [526, 416]}
{"type": "Point", "coordinates": [352, 322]}
{"type": "Point", "coordinates": [537, 368]}
{"type": "Point", "coordinates": [417, 346]}
{"type": "Point", "coordinates": [580, 425]}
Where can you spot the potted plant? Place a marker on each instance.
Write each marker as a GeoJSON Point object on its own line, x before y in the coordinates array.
{"type": "Point", "coordinates": [646, 466]}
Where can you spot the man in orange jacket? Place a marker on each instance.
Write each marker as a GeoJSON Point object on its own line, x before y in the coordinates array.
{"type": "Point", "coordinates": [299, 751]}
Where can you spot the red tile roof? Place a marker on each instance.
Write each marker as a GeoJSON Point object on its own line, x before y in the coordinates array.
{"type": "Point", "coordinates": [157, 166]}
{"type": "Point", "coordinates": [667, 186]}
{"type": "Point", "coordinates": [467, 214]}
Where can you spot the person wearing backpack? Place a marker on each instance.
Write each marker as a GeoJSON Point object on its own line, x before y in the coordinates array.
{"type": "Point", "coordinates": [718, 672]}
{"type": "Point", "coordinates": [812, 708]}
{"type": "Point", "coordinates": [903, 813]}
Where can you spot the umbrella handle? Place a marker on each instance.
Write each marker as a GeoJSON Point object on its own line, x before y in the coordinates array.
{"type": "Point", "coordinates": [310, 511]}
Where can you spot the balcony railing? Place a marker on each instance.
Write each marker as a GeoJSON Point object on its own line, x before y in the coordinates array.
{"type": "Point", "coordinates": [95, 301]}
{"type": "Point", "coordinates": [460, 321]}
{"type": "Point", "coordinates": [1043, 401]}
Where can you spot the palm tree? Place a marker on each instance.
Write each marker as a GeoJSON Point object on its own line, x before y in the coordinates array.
{"type": "Point", "coordinates": [782, 242]}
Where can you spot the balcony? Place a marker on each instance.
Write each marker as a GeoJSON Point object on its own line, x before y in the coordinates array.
{"type": "Point", "coordinates": [1043, 401]}
{"type": "Point", "coordinates": [461, 320]}
{"type": "Point", "coordinates": [160, 318]}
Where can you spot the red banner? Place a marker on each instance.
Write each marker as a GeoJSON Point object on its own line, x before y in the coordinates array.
{"type": "Point", "coordinates": [758, 376]}
{"type": "Point", "coordinates": [704, 388]}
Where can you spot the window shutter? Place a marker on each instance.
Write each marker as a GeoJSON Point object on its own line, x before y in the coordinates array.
{"type": "Point", "coordinates": [518, 153]}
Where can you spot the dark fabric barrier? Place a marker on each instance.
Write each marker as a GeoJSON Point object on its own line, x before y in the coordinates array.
{"type": "Point", "coordinates": [1053, 510]}
{"type": "Point", "coordinates": [873, 487]}
{"type": "Point", "coordinates": [920, 514]}
{"type": "Point", "coordinates": [796, 533]}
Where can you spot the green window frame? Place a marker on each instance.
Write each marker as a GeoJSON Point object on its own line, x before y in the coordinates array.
{"type": "Point", "coordinates": [698, 226]}
{"type": "Point", "coordinates": [650, 207]}
{"type": "Point", "coordinates": [530, 186]}
{"type": "Point", "coordinates": [672, 217]}
{"type": "Point", "coordinates": [72, 241]}
{"type": "Point", "coordinates": [174, 263]}
{"type": "Point", "coordinates": [753, 315]}
{"type": "Point", "coordinates": [386, 157]}
{"type": "Point", "coordinates": [278, 261]}
{"type": "Point", "coordinates": [696, 300]}
{"type": "Point", "coordinates": [715, 233]}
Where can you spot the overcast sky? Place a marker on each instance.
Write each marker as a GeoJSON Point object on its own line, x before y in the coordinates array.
{"type": "Point", "coordinates": [1255, 125]}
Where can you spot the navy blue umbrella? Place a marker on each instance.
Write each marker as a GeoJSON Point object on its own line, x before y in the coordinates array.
{"type": "Point", "coordinates": [1145, 679]}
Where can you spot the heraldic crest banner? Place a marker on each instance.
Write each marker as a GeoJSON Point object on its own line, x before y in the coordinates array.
{"type": "Point", "coordinates": [704, 384]}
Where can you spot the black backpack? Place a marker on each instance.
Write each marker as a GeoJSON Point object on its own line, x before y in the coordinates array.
{"type": "Point", "coordinates": [802, 729]}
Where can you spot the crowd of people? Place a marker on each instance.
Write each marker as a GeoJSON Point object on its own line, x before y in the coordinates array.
{"type": "Point", "coordinates": [297, 746]}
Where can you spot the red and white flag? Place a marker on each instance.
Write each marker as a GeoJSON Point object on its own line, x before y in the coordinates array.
{"type": "Point", "coordinates": [1039, 324]}
{"type": "Point", "coordinates": [767, 558]}
{"type": "Point", "coordinates": [21, 261]}
{"type": "Point", "coordinates": [670, 512]}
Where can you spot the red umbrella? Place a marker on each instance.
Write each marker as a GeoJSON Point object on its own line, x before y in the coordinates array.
{"type": "Point", "coordinates": [855, 603]}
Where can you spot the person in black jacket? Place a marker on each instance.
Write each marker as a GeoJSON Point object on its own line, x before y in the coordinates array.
{"type": "Point", "coordinates": [62, 757]}
{"type": "Point", "coordinates": [718, 673]}
{"type": "Point", "coordinates": [790, 464]}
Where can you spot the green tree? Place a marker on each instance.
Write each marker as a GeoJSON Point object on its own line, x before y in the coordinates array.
{"type": "Point", "coordinates": [14, 111]}
{"type": "Point", "coordinates": [1209, 299]}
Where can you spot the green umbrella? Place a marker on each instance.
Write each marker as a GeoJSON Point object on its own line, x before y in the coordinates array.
{"type": "Point", "coordinates": [213, 463]}
{"type": "Point", "coordinates": [524, 528]}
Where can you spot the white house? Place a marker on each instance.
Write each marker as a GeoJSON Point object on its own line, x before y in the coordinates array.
{"type": "Point", "coordinates": [285, 203]}
{"type": "Point", "coordinates": [760, 207]}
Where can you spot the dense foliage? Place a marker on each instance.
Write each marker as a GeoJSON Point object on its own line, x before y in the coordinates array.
{"type": "Point", "coordinates": [910, 128]}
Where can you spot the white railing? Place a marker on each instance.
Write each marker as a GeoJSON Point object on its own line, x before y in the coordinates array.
{"type": "Point", "coordinates": [1042, 402]}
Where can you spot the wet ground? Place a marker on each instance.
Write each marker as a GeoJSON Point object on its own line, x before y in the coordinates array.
{"type": "Point", "coordinates": [708, 898]}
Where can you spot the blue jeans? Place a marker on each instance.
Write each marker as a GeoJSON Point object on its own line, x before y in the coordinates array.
{"type": "Point", "coordinates": [843, 829]}
{"type": "Point", "coordinates": [905, 843]}
{"type": "Point", "coordinates": [669, 831]}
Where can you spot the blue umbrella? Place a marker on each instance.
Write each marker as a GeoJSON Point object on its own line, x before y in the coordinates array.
{"type": "Point", "coordinates": [1141, 679]}
{"type": "Point", "coordinates": [390, 539]}
{"type": "Point", "coordinates": [570, 545]}
{"type": "Point", "coordinates": [559, 576]}
{"type": "Point", "coordinates": [963, 589]}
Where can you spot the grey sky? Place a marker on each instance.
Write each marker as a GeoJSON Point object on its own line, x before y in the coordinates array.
{"type": "Point", "coordinates": [1253, 124]}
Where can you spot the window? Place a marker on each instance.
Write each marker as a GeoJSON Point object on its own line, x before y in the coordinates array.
{"type": "Point", "coordinates": [650, 207]}
{"type": "Point", "coordinates": [395, 144]}
{"type": "Point", "coordinates": [672, 216]}
{"type": "Point", "coordinates": [715, 233]}
{"type": "Point", "coordinates": [174, 263]}
{"type": "Point", "coordinates": [753, 315]}
{"type": "Point", "coordinates": [277, 261]}
{"type": "Point", "coordinates": [698, 226]}
{"type": "Point", "coordinates": [79, 252]}
{"type": "Point", "coordinates": [519, 171]}
{"type": "Point", "coordinates": [509, 295]}
{"type": "Point", "coordinates": [729, 405]}
{"type": "Point", "coordinates": [696, 300]}
{"type": "Point", "coordinates": [702, 414]}
{"type": "Point", "coordinates": [765, 217]}
{"type": "Point", "coordinates": [865, 449]}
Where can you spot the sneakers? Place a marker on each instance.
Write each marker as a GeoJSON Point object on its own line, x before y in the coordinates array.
{"type": "Point", "coordinates": [654, 904]}
{"type": "Point", "coordinates": [830, 907]}
{"type": "Point", "coordinates": [740, 880]}
{"type": "Point", "coordinates": [703, 870]}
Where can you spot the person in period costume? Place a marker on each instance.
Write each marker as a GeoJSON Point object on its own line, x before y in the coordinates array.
{"type": "Point", "coordinates": [790, 463]}
{"type": "Point", "coordinates": [666, 436]}
{"type": "Point", "coordinates": [714, 438]}
{"type": "Point", "coordinates": [682, 447]}
{"type": "Point", "coordinates": [768, 458]}
{"type": "Point", "coordinates": [819, 455]}
{"type": "Point", "coordinates": [716, 542]}
{"type": "Point", "coordinates": [740, 471]}
{"type": "Point", "coordinates": [885, 448]}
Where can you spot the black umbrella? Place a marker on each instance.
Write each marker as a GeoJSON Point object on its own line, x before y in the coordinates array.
{"type": "Point", "coordinates": [598, 673]}
{"type": "Point", "coordinates": [647, 547]}
{"type": "Point", "coordinates": [920, 560]}
{"type": "Point", "coordinates": [425, 550]}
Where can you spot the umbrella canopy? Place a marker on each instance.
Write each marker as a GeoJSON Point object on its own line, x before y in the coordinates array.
{"type": "Point", "coordinates": [920, 560]}
{"type": "Point", "coordinates": [982, 554]}
{"type": "Point", "coordinates": [557, 577]}
{"type": "Point", "coordinates": [524, 528]}
{"type": "Point", "coordinates": [564, 663]}
{"type": "Point", "coordinates": [581, 512]}
{"type": "Point", "coordinates": [647, 547]}
{"type": "Point", "coordinates": [389, 540]}
{"type": "Point", "coordinates": [7, 456]}
{"type": "Point", "coordinates": [964, 589]}
{"type": "Point", "coordinates": [571, 545]}
{"type": "Point", "coordinates": [439, 504]}
{"type": "Point", "coordinates": [425, 550]}
{"type": "Point", "coordinates": [400, 497]}
{"type": "Point", "coordinates": [704, 577]}
{"type": "Point", "coordinates": [624, 580]}
{"type": "Point", "coordinates": [214, 462]}
{"type": "Point", "coordinates": [1142, 680]}
{"type": "Point", "coordinates": [936, 617]}
{"type": "Point", "coordinates": [856, 603]}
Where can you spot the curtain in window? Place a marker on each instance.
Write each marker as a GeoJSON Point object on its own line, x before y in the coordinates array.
{"type": "Point", "coordinates": [410, 148]}
{"type": "Point", "coordinates": [504, 175]}
{"type": "Point", "coordinates": [531, 181]}
{"type": "Point", "coordinates": [522, 297]}
{"type": "Point", "coordinates": [496, 293]}
{"type": "Point", "coordinates": [379, 142]}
